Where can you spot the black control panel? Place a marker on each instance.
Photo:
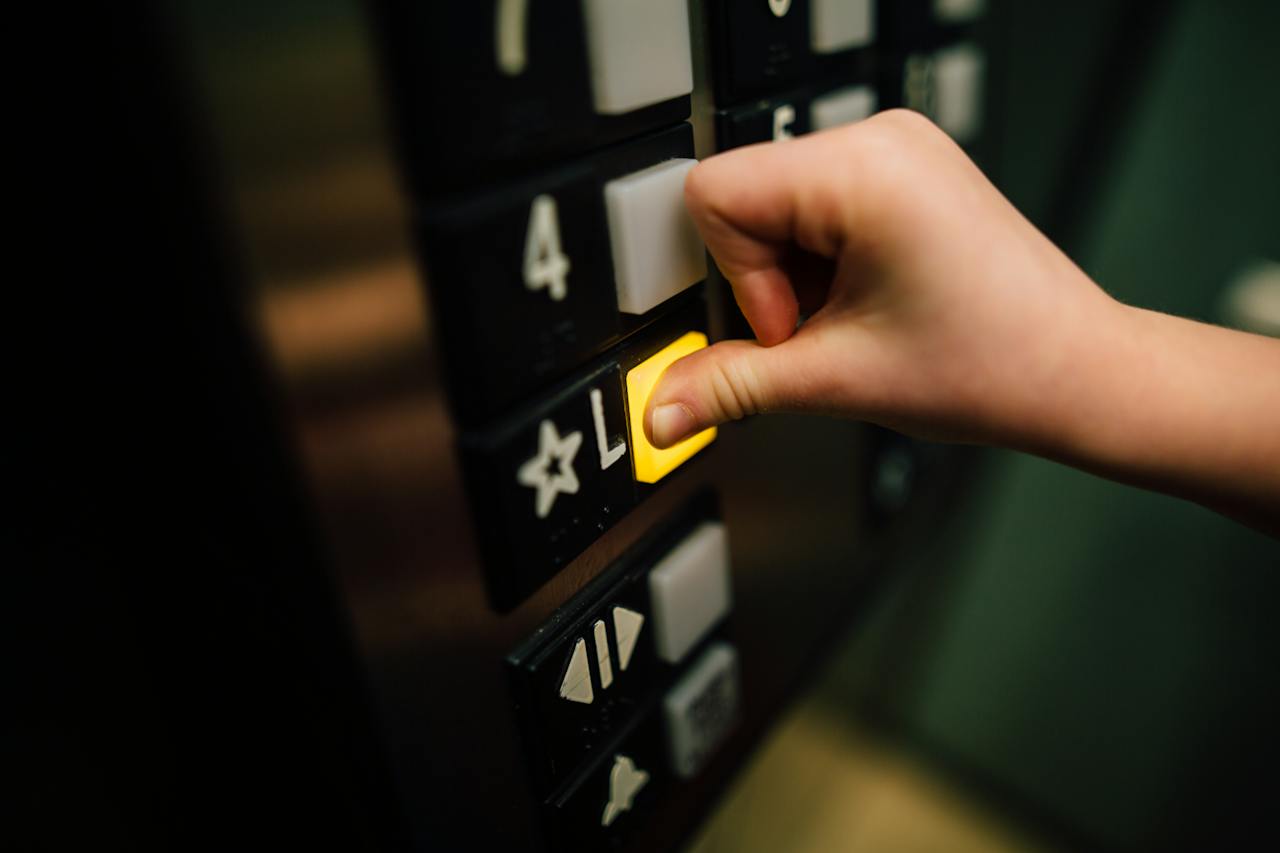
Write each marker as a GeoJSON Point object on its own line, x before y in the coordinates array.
{"type": "Point", "coordinates": [563, 273]}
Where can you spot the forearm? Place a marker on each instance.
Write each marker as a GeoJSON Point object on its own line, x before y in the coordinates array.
{"type": "Point", "coordinates": [1186, 408]}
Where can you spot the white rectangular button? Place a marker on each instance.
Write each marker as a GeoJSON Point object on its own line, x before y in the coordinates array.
{"type": "Point", "coordinates": [957, 11]}
{"type": "Point", "coordinates": [838, 25]}
{"type": "Point", "coordinates": [843, 106]}
{"type": "Point", "coordinates": [656, 248]}
{"type": "Point", "coordinates": [701, 709]}
{"type": "Point", "coordinates": [958, 77]}
{"type": "Point", "coordinates": [639, 52]}
{"type": "Point", "coordinates": [689, 589]}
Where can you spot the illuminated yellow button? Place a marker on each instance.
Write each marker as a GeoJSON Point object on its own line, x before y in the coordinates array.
{"type": "Point", "coordinates": [652, 464]}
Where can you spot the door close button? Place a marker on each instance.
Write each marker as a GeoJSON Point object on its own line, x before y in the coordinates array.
{"type": "Point", "coordinates": [650, 463]}
{"type": "Point", "coordinates": [656, 249]}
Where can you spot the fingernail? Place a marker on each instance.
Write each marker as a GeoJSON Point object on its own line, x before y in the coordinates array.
{"type": "Point", "coordinates": [671, 423]}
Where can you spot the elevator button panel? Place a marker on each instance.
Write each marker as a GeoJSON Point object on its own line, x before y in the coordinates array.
{"type": "Point", "coordinates": [656, 248]}
{"type": "Point", "coordinates": [638, 51]}
{"type": "Point", "coordinates": [565, 277]}
{"type": "Point", "coordinates": [700, 711]}
{"type": "Point", "coordinates": [689, 589]}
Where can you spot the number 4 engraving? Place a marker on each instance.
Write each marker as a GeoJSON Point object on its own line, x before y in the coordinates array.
{"type": "Point", "coordinates": [545, 264]}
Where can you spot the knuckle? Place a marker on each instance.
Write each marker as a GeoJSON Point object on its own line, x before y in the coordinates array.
{"type": "Point", "coordinates": [903, 120]}
{"type": "Point", "coordinates": [735, 388]}
{"type": "Point", "coordinates": [898, 134]}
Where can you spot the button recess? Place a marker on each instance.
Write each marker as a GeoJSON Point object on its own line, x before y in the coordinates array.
{"type": "Point", "coordinates": [650, 463]}
{"type": "Point", "coordinates": [656, 248]}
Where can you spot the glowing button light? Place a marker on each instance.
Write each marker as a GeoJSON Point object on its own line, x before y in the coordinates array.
{"type": "Point", "coordinates": [652, 464]}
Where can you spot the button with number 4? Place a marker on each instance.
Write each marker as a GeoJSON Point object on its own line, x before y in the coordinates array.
{"type": "Point", "coordinates": [516, 277]}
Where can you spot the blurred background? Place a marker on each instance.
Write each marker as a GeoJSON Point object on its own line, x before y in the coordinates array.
{"type": "Point", "coordinates": [1067, 663]}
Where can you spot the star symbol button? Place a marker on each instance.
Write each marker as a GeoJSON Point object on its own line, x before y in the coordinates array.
{"type": "Point", "coordinates": [550, 472]}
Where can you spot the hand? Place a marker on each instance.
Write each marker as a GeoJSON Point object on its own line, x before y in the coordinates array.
{"type": "Point", "coordinates": [936, 309]}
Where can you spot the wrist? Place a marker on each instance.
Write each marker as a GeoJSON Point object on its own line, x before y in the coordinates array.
{"type": "Point", "coordinates": [1083, 400]}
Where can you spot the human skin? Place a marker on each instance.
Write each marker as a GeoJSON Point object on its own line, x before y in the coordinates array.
{"type": "Point", "coordinates": [933, 307]}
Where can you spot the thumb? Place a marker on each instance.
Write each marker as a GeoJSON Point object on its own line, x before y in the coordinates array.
{"type": "Point", "coordinates": [726, 381]}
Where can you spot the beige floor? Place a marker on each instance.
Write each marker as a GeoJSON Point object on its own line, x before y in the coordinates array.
{"type": "Point", "coordinates": [820, 784]}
